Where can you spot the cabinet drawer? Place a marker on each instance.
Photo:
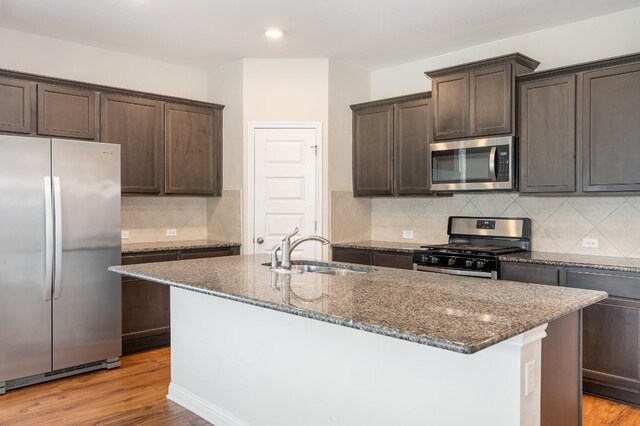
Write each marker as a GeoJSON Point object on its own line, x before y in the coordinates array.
{"type": "Point", "coordinates": [362, 257]}
{"type": "Point", "coordinates": [207, 253]}
{"type": "Point", "coordinates": [616, 284]}
{"type": "Point", "coordinates": [133, 259]}
{"type": "Point", "coordinates": [530, 273]}
{"type": "Point", "coordinates": [393, 260]}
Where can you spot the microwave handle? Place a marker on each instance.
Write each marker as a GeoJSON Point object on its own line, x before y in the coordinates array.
{"type": "Point", "coordinates": [492, 164]}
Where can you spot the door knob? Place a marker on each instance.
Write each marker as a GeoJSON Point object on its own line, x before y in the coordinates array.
{"type": "Point", "coordinates": [260, 240]}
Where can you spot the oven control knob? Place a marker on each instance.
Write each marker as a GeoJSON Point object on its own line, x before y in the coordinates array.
{"type": "Point", "coordinates": [468, 263]}
{"type": "Point", "coordinates": [479, 264]}
{"type": "Point", "coordinates": [433, 259]}
{"type": "Point", "coordinates": [452, 261]}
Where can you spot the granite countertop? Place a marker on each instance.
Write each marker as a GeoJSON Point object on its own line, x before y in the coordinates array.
{"type": "Point", "coordinates": [623, 264]}
{"type": "Point", "coordinates": [461, 314]}
{"type": "Point", "coordinates": [129, 248]}
{"type": "Point", "coordinates": [380, 246]}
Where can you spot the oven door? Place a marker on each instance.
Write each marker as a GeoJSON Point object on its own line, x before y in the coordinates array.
{"type": "Point", "coordinates": [472, 165]}
{"type": "Point", "coordinates": [467, 273]}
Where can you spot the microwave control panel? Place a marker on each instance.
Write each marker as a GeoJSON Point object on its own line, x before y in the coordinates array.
{"type": "Point", "coordinates": [502, 166]}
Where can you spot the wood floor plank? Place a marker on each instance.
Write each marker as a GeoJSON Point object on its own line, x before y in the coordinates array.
{"type": "Point", "coordinates": [135, 394]}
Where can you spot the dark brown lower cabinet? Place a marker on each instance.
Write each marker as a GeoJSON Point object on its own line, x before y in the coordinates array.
{"type": "Point", "coordinates": [560, 388]}
{"type": "Point", "coordinates": [145, 305]}
{"type": "Point", "coordinates": [388, 259]}
{"type": "Point", "coordinates": [611, 329]}
{"type": "Point", "coordinates": [611, 348]}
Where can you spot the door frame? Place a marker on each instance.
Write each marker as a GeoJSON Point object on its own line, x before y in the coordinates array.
{"type": "Point", "coordinates": [249, 223]}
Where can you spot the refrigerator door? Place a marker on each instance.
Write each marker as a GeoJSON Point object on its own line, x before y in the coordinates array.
{"type": "Point", "coordinates": [25, 280]}
{"type": "Point", "coordinates": [87, 312]}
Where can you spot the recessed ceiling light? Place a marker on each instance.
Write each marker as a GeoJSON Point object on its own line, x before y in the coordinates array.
{"type": "Point", "coordinates": [273, 32]}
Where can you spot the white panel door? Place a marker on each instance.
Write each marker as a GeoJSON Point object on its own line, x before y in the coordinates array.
{"type": "Point", "coordinates": [285, 188]}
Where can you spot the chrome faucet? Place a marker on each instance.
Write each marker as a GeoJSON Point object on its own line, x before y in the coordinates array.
{"type": "Point", "coordinates": [287, 247]}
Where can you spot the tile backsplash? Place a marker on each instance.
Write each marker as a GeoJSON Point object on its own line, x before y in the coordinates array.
{"type": "Point", "coordinates": [147, 218]}
{"type": "Point", "coordinates": [350, 217]}
{"type": "Point", "coordinates": [559, 223]}
{"type": "Point", "coordinates": [224, 217]}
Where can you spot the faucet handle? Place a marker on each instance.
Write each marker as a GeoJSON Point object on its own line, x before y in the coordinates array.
{"type": "Point", "coordinates": [288, 237]}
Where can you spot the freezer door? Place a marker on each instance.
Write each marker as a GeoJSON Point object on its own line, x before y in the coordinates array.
{"type": "Point", "coordinates": [25, 284]}
{"type": "Point", "coordinates": [87, 311]}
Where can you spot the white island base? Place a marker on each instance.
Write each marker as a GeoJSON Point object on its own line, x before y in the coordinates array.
{"type": "Point", "coordinates": [238, 364]}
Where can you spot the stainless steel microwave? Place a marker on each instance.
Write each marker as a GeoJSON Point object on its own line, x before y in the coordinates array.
{"type": "Point", "coordinates": [473, 165]}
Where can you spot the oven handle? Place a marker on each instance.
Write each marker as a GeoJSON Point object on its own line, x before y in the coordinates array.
{"type": "Point", "coordinates": [492, 164]}
{"type": "Point", "coordinates": [493, 275]}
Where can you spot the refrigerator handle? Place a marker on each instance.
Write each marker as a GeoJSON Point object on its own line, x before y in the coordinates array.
{"type": "Point", "coordinates": [48, 249]}
{"type": "Point", "coordinates": [57, 204]}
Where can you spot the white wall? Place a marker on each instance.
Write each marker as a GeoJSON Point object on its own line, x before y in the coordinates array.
{"type": "Point", "coordinates": [225, 86]}
{"type": "Point", "coordinates": [347, 85]}
{"type": "Point", "coordinates": [20, 51]}
{"type": "Point", "coordinates": [583, 41]}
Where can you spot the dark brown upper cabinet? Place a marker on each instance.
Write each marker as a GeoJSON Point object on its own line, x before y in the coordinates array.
{"type": "Point", "coordinates": [193, 150]}
{"type": "Point", "coordinates": [391, 146]}
{"type": "Point", "coordinates": [477, 98]}
{"type": "Point", "coordinates": [373, 150]}
{"type": "Point", "coordinates": [451, 118]}
{"type": "Point", "coordinates": [16, 106]}
{"type": "Point", "coordinates": [412, 137]}
{"type": "Point", "coordinates": [136, 124]}
{"type": "Point", "coordinates": [548, 135]}
{"type": "Point", "coordinates": [611, 129]}
{"type": "Point", "coordinates": [491, 101]}
{"type": "Point", "coordinates": [579, 129]}
{"type": "Point", "coordinates": [67, 112]}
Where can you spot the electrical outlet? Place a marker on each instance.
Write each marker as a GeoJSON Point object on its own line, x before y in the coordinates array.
{"type": "Point", "coordinates": [172, 232]}
{"type": "Point", "coordinates": [407, 235]}
{"type": "Point", "coordinates": [530, 378]}
{"type": "Point", "coordinates": [124, 235]}
{"type": "Point", "coordinates": [590, 243]}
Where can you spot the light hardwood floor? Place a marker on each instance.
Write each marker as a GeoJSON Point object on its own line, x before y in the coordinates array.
{"type": "Point", "coordinates": [134, 394]}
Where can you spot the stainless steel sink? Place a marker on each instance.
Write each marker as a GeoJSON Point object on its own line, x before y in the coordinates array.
{"type": "Point", "coordinates": [311, 268]}
{"type": "Point", "coordinates": [327, 269]}
{"type": "Point", "coordinates": [342, 272]}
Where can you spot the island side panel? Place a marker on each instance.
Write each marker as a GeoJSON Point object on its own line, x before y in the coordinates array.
{"type": "Point", "coordinates": [234, 363]}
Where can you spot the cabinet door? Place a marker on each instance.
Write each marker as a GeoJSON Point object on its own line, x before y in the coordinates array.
{"type": "Point", "coordinates": [611, 349]}
{"type": "Point", "coordinates": [136, 125]}
{"type": "Point", "coordinates": [145, 307]}
{"type": "Point", "coordinates": [362, 257]}
{"type": "Point", "coordinates": [490, 108]}
{"type": "Point", "coordinates": [611, 129]}
{"type": "Point", "coordinates": [193, 151]}
{"type": "Point", "coordinates": [548, 135]}
{"type": "Point", "coordinates": [373, 151]}
{"type": "Point", "coordinates": [537, 274]}
{"type": "Point", "coordinates": [393, 260]}
{"type": "Point", "coordinates": [451, 106]}
{"type": "Point", "coordinates": [66, 112]}
{"type": "Point", "coordinates": [412, 138]}
{"type": "Point", "coordinates": [15, 106]}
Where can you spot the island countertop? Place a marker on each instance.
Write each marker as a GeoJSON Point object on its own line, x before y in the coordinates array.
{"type": "Point", "coordinates": [460, 314]}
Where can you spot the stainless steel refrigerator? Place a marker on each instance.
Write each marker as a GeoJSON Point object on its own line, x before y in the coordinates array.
{"type": "Point", "coordinates": [60, 309]}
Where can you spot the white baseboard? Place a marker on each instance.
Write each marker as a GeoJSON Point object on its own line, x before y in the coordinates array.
{"type": "Point", "coordinates": [203, 408]}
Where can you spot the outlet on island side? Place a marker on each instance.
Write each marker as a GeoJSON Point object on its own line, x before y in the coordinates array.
{"type": "Point", "coordinates": [171, 232]}
{"type": "Point", "coordinates": [590, 243]}
{"type": "Point", "coordinates": [407, 235]}
{"type": "Point", "coordinates": [530, 377]}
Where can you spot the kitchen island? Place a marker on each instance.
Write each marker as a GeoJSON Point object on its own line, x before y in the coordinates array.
{"type": "Point", "coordinates": [381, 347]}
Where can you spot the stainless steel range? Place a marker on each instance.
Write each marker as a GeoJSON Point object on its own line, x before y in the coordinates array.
{"type": "Point", "coordinates": [475, 243]}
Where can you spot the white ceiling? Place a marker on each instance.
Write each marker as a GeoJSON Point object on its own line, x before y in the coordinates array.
{"type": "Point", "coordinates": [366, 33]}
